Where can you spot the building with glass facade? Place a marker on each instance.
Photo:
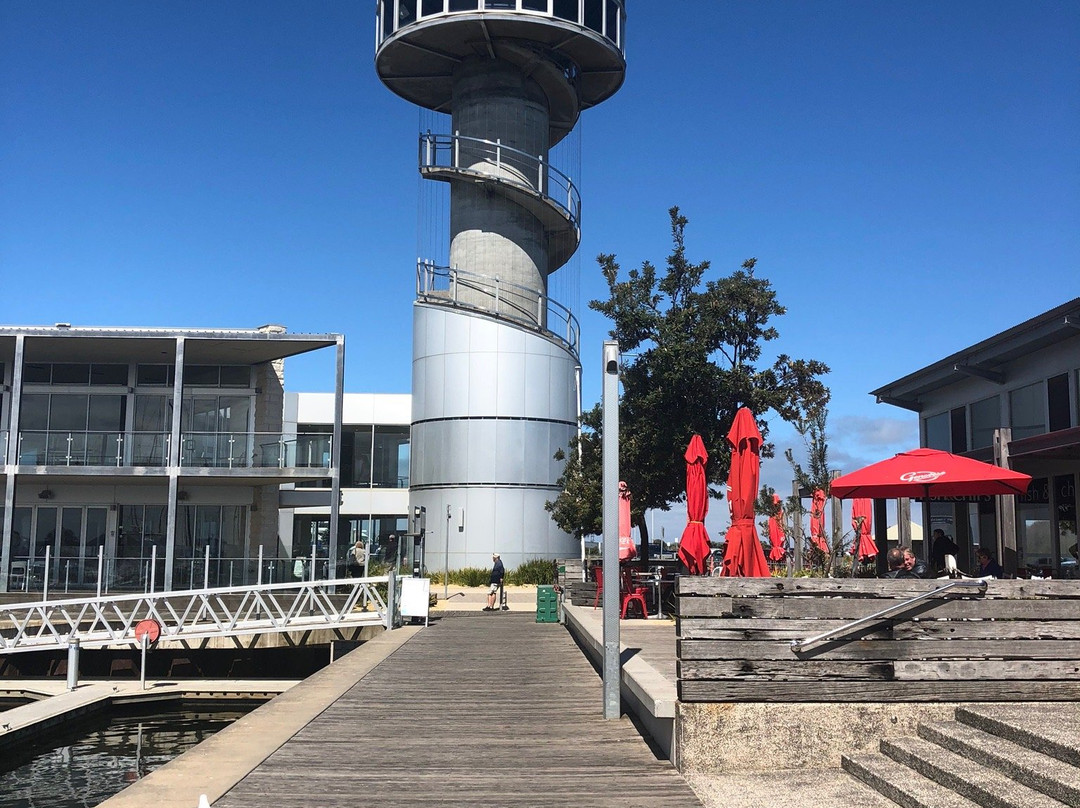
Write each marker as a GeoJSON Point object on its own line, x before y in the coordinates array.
{"type": "Point", "coordinates": [152, 457]}
{"type": "Point", "coordinates": [1022, 385]}
{"type": "Point", "coordinates": [375, 454]}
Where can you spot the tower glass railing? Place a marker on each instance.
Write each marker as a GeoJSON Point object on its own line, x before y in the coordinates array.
{"type": "Point", "coordinates": [498, 162]}
{"type": "Point", "coordinates": [238, 450]}
{"type": "Point", "coordinates": [607, 18]}
{"type": "Point", "coordinates": [444, 285]}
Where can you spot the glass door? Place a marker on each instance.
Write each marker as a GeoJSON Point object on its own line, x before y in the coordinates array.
{"type": "Point", "coordinates": [82, 532]}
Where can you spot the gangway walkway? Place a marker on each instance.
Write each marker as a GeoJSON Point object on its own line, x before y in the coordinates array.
{"type": "Point", "coordinates": [195, 614]}
{"type": "Point", "coordinates": [478, 709]}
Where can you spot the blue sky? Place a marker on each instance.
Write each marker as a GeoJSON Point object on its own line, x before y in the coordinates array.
{"type": "Point", "coordinates": [907, 175]}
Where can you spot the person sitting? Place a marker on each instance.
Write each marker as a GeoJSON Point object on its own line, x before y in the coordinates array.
{"type": "Point", "coordinates": [913, 565]}
{"type": "Point", "coordinates": [988, 567]}
{"type": "Point", "coordinates": [898, 565]}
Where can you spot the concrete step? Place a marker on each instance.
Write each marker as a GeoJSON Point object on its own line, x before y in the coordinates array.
{"type": "Point", "coordinates": [1036, 770]}
{"type": "Point", "coordinates": [900, 784]}
{"type": "Point", "coordinates": [1052, 728]}
{"type": "Point", "coordinates": [983, 786]}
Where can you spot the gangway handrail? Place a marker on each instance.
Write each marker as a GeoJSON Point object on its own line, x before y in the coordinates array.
{"type": "Point", "coordinates": [196, 614]}
{"type": "Point", "coordinates": [969, 583]}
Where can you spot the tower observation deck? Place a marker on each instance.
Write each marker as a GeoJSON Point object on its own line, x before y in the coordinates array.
{"type": "Point", "coordinates": [495, 360]}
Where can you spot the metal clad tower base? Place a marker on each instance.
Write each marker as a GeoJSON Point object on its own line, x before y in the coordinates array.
{"type": "Point", "coordinates": [495, 361]}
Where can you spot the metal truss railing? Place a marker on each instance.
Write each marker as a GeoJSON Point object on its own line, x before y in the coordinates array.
{"type": "Point", "coordinates": [198, 614]}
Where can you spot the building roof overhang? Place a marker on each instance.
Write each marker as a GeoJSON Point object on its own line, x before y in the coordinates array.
{"type": "Point", "coordinates": [63, 343]}
{"type": "Point", "coordinates": [986, 359]}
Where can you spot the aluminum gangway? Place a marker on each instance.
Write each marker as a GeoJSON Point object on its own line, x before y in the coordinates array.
{"type": "Point", "coordinates": [184, 615]}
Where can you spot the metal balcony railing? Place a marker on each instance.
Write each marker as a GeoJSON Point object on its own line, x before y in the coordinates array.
{"type": "Point", "coordinates": [134, 449]}
{"type": "Point", "coordinates": [605, 17]}
{"type": "Point", "coordinates": [492, 160]}
{"type": "Point", "coordinates": [445, 285]}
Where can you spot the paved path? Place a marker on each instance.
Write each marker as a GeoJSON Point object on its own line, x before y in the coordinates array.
{"type": "Point", "coordinates": [477, 709]}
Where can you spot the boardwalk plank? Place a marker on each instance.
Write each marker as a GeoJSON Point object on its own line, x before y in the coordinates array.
{"type": "Point", "coordinates": [474, 710]}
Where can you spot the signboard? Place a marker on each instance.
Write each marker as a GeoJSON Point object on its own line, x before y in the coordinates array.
{"type": "Point", "coordinates": [414, 597]}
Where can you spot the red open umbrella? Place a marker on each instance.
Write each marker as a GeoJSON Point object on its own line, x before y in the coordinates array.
{"type": "Point", "coordinates": [694, 544]}
{"type": "Point", "coordinates": [776, 533]}
{"type": "Point", "coordinates": [627, 549]}
{"type": "Point", "coordinates": [744, 556]}
{"type": "Point", "coordinates": [925, 473]}
{"type": "Point", "coordinates": [862, 520]}
{"type": "Point", "coordinates": [817, 521]}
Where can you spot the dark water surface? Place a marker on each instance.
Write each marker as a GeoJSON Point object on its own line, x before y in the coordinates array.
{"type": "Point", "coordinates": [90, 762]}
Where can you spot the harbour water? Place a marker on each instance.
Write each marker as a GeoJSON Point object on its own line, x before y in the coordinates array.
{"type": "Point", "coordinates": [85, 764]}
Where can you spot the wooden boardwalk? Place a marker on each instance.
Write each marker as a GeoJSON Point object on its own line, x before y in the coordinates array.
{"type": "Point", "coordinates": [478, 709]}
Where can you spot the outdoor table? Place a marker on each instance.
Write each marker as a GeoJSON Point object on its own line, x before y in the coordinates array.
{"type": "Point", "coordinates": [657, 582]}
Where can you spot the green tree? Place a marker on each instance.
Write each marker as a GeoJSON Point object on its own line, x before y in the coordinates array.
{"type": "Point", "coordinates": [692, 355]}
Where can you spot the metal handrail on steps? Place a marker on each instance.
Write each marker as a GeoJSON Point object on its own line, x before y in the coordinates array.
{"type": "Point", "coordinates": [802, 645]}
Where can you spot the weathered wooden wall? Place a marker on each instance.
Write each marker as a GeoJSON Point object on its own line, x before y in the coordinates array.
{"type": "Point", "coordinates": [1019, 641]}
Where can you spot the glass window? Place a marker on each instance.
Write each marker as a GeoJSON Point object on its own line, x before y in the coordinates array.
{"type": "Point", "coordinates": [20, 531]}
{"type": "Point", "coordinates": [938, 432]}
{"type": "Point", "coordinates": [387, 18]}
{"type": "Point", "coordinates": [534, 5]}
{"type": "Point", "coordinates": [958, 427]}
{"type": "Point", "coordinates": [390, 463]}
{"type": "Point", "coordinates": [37, 373]}
{"type": "Point", "coordinates": [611, 23]}
{"type": "Point", "coordinates": [201, 376]}
{"type": "Point", "coordinates": [566, 10]}
{"type": "Point", "coordinates": [1028, 407]}
{"type": "Point", "coordinates": [106, 414]}
{"type": "Point", "coordinates": [463, 5]}
{"type": "Point", "coordinates": [154, 375]}
{"type": "Point", "coordinates": [406, 12]}
{"type": "Point", "coordinates": [985, 418]}
{"type": "Point", "coordinates": [1057, 400]}
{"type": "Point", "coordinates": [429, 7]}
{"type": "Point", "coordinates": [594, 15]}
{"type": "Point", "coordinates": [108, 374]}
{"type": "Point", "coordinates": [1065, 508]}
{"type": "Point", "coordinates": [34, 411]}
{"type": "Point", "coordinates": [67, 412]}
{"type": "Point", "coordinates": [359, 461]}
{"type": "Point", "coordinates": [44, 531]}
{"type": "Point", "coordinates": [235, 376]}
{"type": "Point", "coordinates": [63, 373]}
{"type": "Point", "coordinates": [233, 413]}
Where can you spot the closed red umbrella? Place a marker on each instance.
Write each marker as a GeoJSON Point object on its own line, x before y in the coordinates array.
{"type": "Point", "coordinates": [744, 556]}
{"type": "Point", "coordinates": [925, 473]}
{"type": "Point", "coordinates": [776, 533]}
{"type": "Point", "coordinates": [862, 520]}
{"type": "Point", "coordinates": [627, 549]}
{"type": "Point", "coordinates": [817, 521]}
{"type": "Point", "coordinates": [694, 544]}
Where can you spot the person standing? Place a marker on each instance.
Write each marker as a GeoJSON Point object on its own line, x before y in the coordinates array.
{"type": "Point", "coordinates": [355, 561]}
{"type": "Point", "coordinates": [498, 572]}
{"type": "Point", "coordinates": [940, 547]}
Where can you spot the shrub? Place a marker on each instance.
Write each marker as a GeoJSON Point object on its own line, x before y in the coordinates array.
{"type": "Point", "coordinates": [535, 572]}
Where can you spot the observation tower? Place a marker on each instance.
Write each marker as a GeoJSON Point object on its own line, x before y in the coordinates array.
{"type": "Point", "coordinates": [496, 370]}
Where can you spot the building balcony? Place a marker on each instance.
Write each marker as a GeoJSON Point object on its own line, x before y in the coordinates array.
{"type": "Point", "coordinates": [128, 450]}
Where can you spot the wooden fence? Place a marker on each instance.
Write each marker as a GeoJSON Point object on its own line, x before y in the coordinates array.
{"type": "Point", "coordinates": [1017, 641]}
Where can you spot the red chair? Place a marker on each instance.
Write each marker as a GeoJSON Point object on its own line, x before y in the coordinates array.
{"type": "Point", "coordinates": [629, 593]}
{"type": "Point", "coordinates": [632, 593]}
